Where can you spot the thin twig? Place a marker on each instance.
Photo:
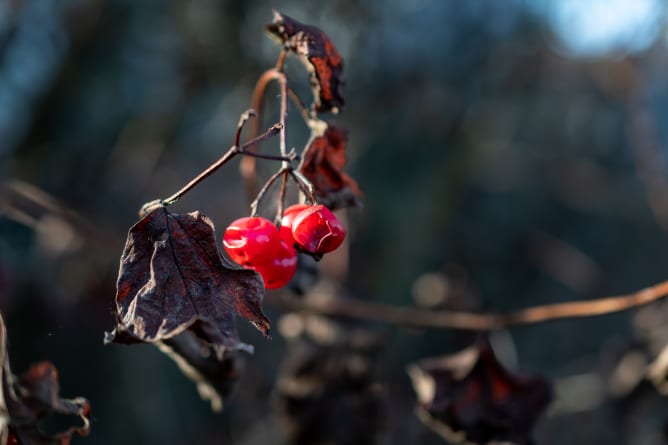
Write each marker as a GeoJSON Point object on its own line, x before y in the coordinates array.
{"type": "Point", "coordinates": [229, 154]}
{"type": "Point", "coordinates": [263, 191]}
{"type": "Point", "coordinates": [281, 197]}
{"type": "Point", "coordinates": [281, 60]}
{"type": "Point", "coordinates": [283, 82]}
{"type": "Point", "coordinates": [245, 117]}
{"type": "Point", "coordinates": [303, 110]}
{"type": "Point", "coordinates": [247, 165]}
{"type": "Point", "coordinates": [286, 157]}
{"type": "Point", "coordinates": [304, 185]}
{"type": "Point", "coordinates": [423, 318]}
{"type": "Point", "coordinates": [289, 158]}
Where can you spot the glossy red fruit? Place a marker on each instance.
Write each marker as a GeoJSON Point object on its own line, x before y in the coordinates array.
{"type": "Point", "coordinates": [251, 241]}
{"type": "Point", "coordinates": [289, 216]}
{"type": "Point", "coordinates": [317, 230]}
{"type": "Point", "coordinates": [279, 271]}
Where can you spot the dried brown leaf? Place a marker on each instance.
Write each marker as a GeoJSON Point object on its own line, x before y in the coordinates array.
{"type": "Point", "coordinates": [328, 390]}
{"type": "Point", "coordinates": [215, 376]}
{"type": "Point", "coordinates": [319, 56]}
{"type": "Point", "coordinates": [470, 397]}
{"type": "Point", "coordinates": [26, 401]}
{"type": "Point", "coordinates": [172, 278]}
{"type": "Point", "coordinates": [323, 162]}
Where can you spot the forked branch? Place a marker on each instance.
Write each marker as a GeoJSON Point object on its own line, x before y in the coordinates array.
{"type": "Point", "coordinates": [224, 159]}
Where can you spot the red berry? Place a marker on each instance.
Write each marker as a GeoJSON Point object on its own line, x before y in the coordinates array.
{"type": "Point", "coordinates": [279, 271]}
{"type": "Point", "coordinates": [317, 230]}
{"type": "Point", "coordinates": [289, 216]}
{"type": "Point", "coordinates": [252, 240]}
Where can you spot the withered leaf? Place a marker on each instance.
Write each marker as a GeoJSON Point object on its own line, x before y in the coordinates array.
{"type": "Point", "coordinates": [214, 375]}
{"type": "Point", "coordinates": [323, 161]}
{"type": "Point", "coordinates": [328, 390]}
{"type": "Point", "coordinates": [172, 278]}
{"type": "Point", "coordinates": [470, 397]}
{"type": "Point", "coordinates": [34, 396]}
{"type": "Point", "coordinates": [319, 56]}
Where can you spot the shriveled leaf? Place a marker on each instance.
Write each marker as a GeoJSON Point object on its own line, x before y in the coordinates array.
{"type": "Point", "coordinates": [215, 376]}
{"type": "Point", "coordinates": [323, 161]}
{"type": "Point", "coordinates": [172, 279]}
{"type": "Point", "coordinates": [470, 397]}
{"type": "Point", "coordinates": [31, 398]}
{"type": "Point", "coordinates": [328, 391]}
{"type": "Point", "coordinates": [319, 55]}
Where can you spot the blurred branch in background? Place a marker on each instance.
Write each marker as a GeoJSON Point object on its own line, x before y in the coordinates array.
{"type": "Point", "coordinates": [58, 228]}
{"type": "Point", "coordinates": [429, 318]}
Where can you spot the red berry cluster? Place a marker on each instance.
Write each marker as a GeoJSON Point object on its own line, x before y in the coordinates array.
{"type": "Point", "coordinates": [256, 243]}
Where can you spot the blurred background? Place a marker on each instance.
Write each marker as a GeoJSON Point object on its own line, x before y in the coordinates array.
{"type": "Point", "coordinates": [511, 154]}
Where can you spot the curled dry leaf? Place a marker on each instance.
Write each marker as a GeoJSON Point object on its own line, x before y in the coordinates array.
{"type": "Point", "coordinates": [172, 278]}
{"type": "Point", "coordinates": [29, 399]}
{"type": "Point", "coordinates": [214, 375]}
{"type": "Point", "coordinates": [319, 56]}
{"type": "Point", "coordinates": [470, 397]}
{"type": "Point", "coordinates": [323, 161]}
{"type": "Point", "coordinates": [328, 391]}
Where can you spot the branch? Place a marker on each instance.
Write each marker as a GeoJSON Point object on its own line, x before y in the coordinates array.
{"type": "Point", "coordinates": [263, 191]}
{"type": "Point", "coordinates": [283, 82]}
{"type": "Point", "coordinates": [424, 318]}
{"type": "Point", "coordinates": [303, 109]}
{"type": "Point", "coordinates": [247, 165]}
{"type": "Point", "coordinates": [229, 154]}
